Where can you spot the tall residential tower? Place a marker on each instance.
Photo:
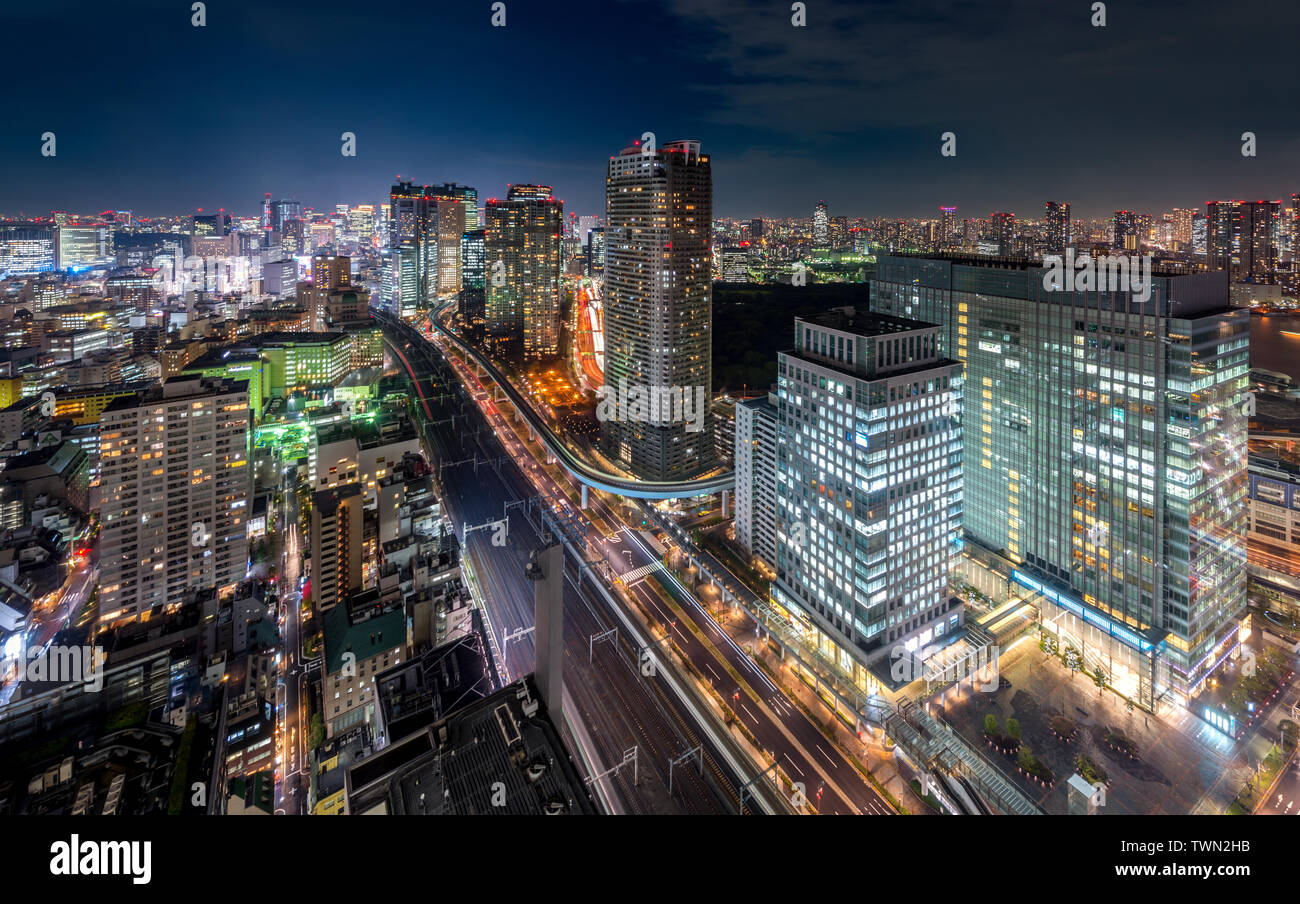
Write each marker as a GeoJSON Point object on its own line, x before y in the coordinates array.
{"type": "Point", "coordinates": [658, 304]}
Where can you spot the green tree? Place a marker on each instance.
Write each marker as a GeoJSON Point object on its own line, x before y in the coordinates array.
{"type": "Point", "coordinates": [1013, 729]}
{"type": "Point", "coordinates": [316, 734]}
{"type": "Point", "coordinates": [1028, 761]}
{"type": "Point", "coordinates": [990, 724]}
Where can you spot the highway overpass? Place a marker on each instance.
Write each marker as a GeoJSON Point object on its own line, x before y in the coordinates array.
{"type": "Point", "coordinates": [586, 474]}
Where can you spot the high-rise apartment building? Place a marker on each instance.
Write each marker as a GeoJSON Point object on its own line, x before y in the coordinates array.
{"type": "Point", "coordinates": [1056, 219]}
{"type": "Point", "coordinates": [522, 242]}
{"type": "Point", "coordinates": [1105, 455]}
{"type": "Point", "coordinates": [1183, 219]}
{"type": "Point", "coordinates": [1126, 231]}
{"type": "Point", "coordinates": [820, 226]}
{"type": "Point", "coordinates": [658, 304]}
{"type": "Point", "coordinates": [869, 494]}
{"type": "Point", "coordinates": [755, 460]}
{"type": "Point", "coordinates": [175, 487]}
{"type": "Point", "coordinates": [1242, 238]}
{"type": "Point", "coordinates": [948, 229]}
{"type": "Point", "coordinates": [1004, 231]}
{"type": "Point", "coordinates": [337, 519]}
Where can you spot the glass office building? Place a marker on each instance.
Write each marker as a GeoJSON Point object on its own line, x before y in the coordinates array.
{"type": "Point", "coordinates": [869, 487]}
{"type": "Point", "coordinates": [1105, 455]}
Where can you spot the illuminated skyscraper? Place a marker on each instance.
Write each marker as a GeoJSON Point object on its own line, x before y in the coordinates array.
{"type": "Point", "coordinates": [1125, 231]}
{"type": "Point", "coordinates": [658, 303]}
{"type": "Point", "coordinates": [820, 226]}
{"type": "Point", "coordinates": [450, 224]}
{"type": "Point", "coordinates": [1057, 220]}
{"type": "Point", "coordinates": [1242, 238]}
{"type": "Point", "coordinates": [433, 225]}
{"type": "Point", "coordinates": [361, 223]}
{"type": "Point", "coordinates": [473, 277]}
{"type": "Point", "coordinates": [948, 232]}
{"type": "Point", "coordinates": [1004, 231]}
{"type": "Point", "coordinates": [1294, 219]}
{"type": "Point", "coordinates": [466, 195]}
{"type": "Point", "coordinates": [1183, 220]}
{"type": "Point", "coordinates": [284, 210]}
{"type": "Point", "coordinates": [596, 251]}
{"type": "Point", "coordinates": [522, 242]}
{"type": "Point", "coordinates": [868, 484]}
{"type": "Point", "coordinates": [1105, 455]}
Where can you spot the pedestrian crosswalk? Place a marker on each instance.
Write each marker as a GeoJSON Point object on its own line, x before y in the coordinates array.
{"type": "Point", "coordinates": [637, 574]}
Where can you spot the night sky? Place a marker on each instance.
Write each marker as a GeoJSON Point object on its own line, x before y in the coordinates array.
{"type": "Point", "coordinates": [155, 115]}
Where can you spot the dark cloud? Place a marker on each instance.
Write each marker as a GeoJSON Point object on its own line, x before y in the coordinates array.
{"type": "Point", "coordinates": [159, 116]}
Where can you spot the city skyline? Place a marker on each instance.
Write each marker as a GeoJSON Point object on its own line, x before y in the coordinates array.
{"type": "Point", "coordinates": [650, 407]}
{"type": "Point", "coordinates": [863, 133]}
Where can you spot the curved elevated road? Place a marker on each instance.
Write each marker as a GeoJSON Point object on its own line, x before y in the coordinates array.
{"type": "Point", "coordinates": [582, 471]}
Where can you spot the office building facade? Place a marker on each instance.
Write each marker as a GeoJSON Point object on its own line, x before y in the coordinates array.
{"type": "Point", "coordinates": [1104, 455]}
{"type": "Point", "coordinates": [869, 487]}
{"type": "Point", "coordinates": [523, 265]}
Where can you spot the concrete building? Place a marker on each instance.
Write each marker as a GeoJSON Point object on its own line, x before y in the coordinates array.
{"type": "Point", "coordinates": [869, 487]}
{"type": "Point", "coordinates": [175, 488]}
{"type": "Point", "coordinates": [1105, 454]}
{"type": "Point", "coordinates": [522, 248]}
{"type": "Point", "coordinates": [755, 463]}
{"type": "Point", "coordinates": [337, 521]}
{"type": "Point", "coordinates": [658, 304]}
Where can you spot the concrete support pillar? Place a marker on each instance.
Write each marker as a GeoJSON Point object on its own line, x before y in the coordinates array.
{"type": "Point", "coordinates": [584, 495]}
{"type": "Point", "coordinates": [547, 570]}
{"type": "Point", "coordinates": [726, 504]}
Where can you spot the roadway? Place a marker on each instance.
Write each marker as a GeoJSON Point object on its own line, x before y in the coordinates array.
{"type": "Point", "coordinates": [50, 617]}
{"type": "Point", "coordinates": [590, 333]}
{"type": "Point", "coordinates": [780, 727]}
{"type": "Point", "coordinates": [295, 671]}
{"type": "Point", "coordinates": [615, 707]}
{"type": "Point", "coordinates": [581, 470]}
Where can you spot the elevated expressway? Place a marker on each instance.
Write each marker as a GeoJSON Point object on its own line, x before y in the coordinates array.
{"type": "Point", "coordinates": [586, 474]}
